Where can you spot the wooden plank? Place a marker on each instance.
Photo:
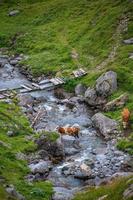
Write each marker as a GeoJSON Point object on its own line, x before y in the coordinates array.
{"type": "Point", "coordinates": [42, 87]}
{"type": "Point", "coordinates": [36, 85]}
{"type": "Point", "coordinates": [60, 80]}
{"type": "Point", "coordinates": [44, 81]}
{"type": "Point", "coordinates": [79, 73]}
{"type": "Point", "coordinates": [54, 81]}
{"type": "Point", "coordinates": [26, 87]}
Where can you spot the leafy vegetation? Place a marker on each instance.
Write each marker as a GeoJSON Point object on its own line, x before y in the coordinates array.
{"type": "Point", "coordinates": [126, 144]}
{"type": "Point", "coordinates": [12, 170]}
{"type": "Point", "coordinates": [113, 191]}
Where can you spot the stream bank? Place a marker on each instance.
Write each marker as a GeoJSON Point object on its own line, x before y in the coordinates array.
{"type": "Point", "coordinates": [86, 161]}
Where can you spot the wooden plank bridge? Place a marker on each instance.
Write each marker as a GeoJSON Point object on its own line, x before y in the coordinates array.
{"type": "Point", "coordinates": [47, 84]}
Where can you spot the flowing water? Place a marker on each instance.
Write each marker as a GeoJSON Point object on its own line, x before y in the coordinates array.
{"type": "Point", "coordinates": [88, 148]}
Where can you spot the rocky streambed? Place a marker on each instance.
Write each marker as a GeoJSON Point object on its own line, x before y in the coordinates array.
{"type": "Point", "coordinates": [71, 164]}
{"type": "Point", "coordinates": [88, 160]}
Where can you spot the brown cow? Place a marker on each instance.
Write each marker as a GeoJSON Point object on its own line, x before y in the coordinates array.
{"type": "Point", "coordinates": [72, 131]}
{"type": "Point", "coordinates": [125, 117]}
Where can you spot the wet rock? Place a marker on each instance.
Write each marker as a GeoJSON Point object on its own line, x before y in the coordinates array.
{"type": "Point", "coordinates": [68, 141]}
{"type": "Point", "coordinates": [3, 60]}
{"type": "Point", "coordinates": [116, 103]}
{"type": "Point", "coordinates": [10, 189]}
{"type": "Point", "coordinates": [61, 193]}
{"type": "Point", "coordinates": [14, 62]}
{"type": "Point", "coordinates": [89, 162]}
{"type": "Point", "coordinates": [55, 149]}
{"type": "Point", "coordinates": [106, 126]}
{"type": "Point", "coordinates": [25, 99]}
{"type": "Point", "coordinates": [128, 193]}
{"type": "Point", "coordinates": [59, 93]}
{"type": "Point", "coordinates": [80, 89]}
{"type": "Point", "coordinates": [92, 99]}
{"type": "Point", "coordinates": [128, 41]}
{"type": "Point", "coordinates": [71, 151]}
{"type": "Point", "coordinates": [81, 175]}
{"type": "Point", "coordinates": [86, 169]}
{"type": "Point", "coordinates": [14, 13]}
{"type": "Point", "coordinates": [42, 167]}
{"type": "Point", "coordinates": [8, 68]}
{"type": "Point", "coordinates": [106, 84]}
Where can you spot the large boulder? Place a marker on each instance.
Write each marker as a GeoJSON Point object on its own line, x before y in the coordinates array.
{"type": "Point", "coordinates": [106, 126]}
{"type": "Point", "coordinates": [106, 84]}
{"type": "Point", "coordinates": [55, 149]}
{"type": "Point", "coordinates": [80, 89]}
{"type": "Point", "coordinates": [41, 167]}
{"type": "Point", "coordinates": [92, 99]}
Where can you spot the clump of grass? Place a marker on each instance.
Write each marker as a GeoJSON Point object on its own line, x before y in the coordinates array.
{"type": "Point", "coordinates": [113, 191]}
{"type": "Point", "coordinates": [126, 144]}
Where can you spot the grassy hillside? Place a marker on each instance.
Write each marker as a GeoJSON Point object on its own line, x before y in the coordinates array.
{"type": "Point", "coordinates": [50, 32]}
{"type": "Point", "coordinates": [12, 170]}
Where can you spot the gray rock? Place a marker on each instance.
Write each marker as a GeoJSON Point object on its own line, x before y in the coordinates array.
{"type": "Point", "coordinates": [71, 151]}
{"type": "Point", "coordinates": [106, 84]}
{"type": "Point", "coordinates": [9, 68]}
{"type": "Point", "coordinates": [68, 141]}
{"type": "Point", "coordinates": [14, 13]}
{"type": "Point", "coordinates": [106, 126]}
{"type": "Point", "coordinates": [61, 193]}
{"type": "Point", "coordinates": [55, 149]}
{"type": "Point", "coordinates": [92, 99]}
{"type": "Point", "coordinates": [11, 133]}
{"type": "Point", "coordinates": [80, 89]}
{"type": "Point", "coordinates": [42, 167]}
{"type": "Point", "coordinates": [14, 62]}
{"type": "Point", "coordinates": [25, 99]}
{"type": "Point", "coordinates": [3, 60]}
{"type": "Point", "coordinates": [128, 41]}
{"type": "Point", "coordinates": [13, 193]}
{"type": "Point", "coordinates": [91, 96]}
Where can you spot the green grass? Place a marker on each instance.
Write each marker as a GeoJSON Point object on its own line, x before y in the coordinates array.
{"type": "Point", "coordinates": [13, 170]}
{"type": "Point", "coordinates": [114, 191]}
{"type": "Point", "coordinates": [48, 31]}
{"type": "Point", "coordinates": [126, 144]}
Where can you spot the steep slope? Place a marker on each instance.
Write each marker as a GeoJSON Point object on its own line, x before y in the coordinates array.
{"type": "Point", "coordinates": [59, 36]}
